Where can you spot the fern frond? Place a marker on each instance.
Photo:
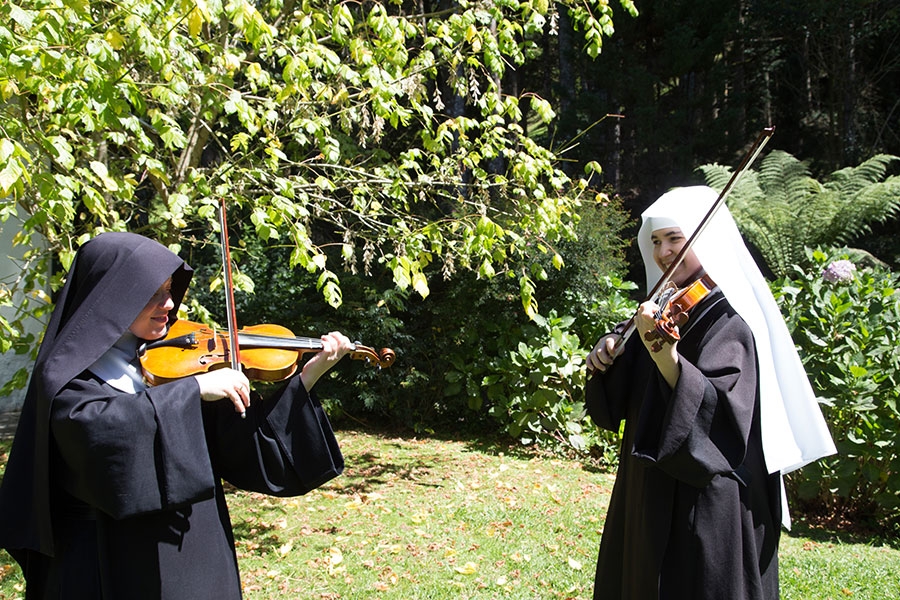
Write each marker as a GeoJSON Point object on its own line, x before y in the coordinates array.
{"type": "Point", "coordinates": [819, 218]}
{"type": "Point", "coordinates": [873, 204]}
{"type": "Point", "coordinates": [746, 191]}
{"type": "Point", "coordinates": [759, 224]}
{"type": "Point", "coordinates": [851, 180]}
{"type": "Point", "coordinates": [786, 178]}
{"type": "Point", "coordinates": [781, 209]}
{"type": "Point", "coordinates": [716, 175]}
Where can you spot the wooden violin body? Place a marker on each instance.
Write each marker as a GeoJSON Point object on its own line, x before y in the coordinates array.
{"type": "Point", "coordinates": [675, 310]}
{"type": "Point", "coordinates": [268, 352]}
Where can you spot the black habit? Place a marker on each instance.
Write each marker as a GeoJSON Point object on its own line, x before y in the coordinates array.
{"type": "Point", "coordinates": [694, 514]}
{"type": "Point", "coordinates": [109, 494]}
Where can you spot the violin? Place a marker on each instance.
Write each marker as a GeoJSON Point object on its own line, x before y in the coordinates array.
{"type": "Point", "coordinates": [268, 352]}
{"type": "Point", "coordinates": [675, 307]}
{"type": "Point", "coordinates": [263, 352]}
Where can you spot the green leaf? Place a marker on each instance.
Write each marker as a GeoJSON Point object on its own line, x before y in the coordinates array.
{"type": "Point", "coordinates": [858, 371]}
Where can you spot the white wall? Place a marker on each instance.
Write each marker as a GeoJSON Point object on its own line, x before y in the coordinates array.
{"type": "Point", "coordinates": [10, 259]}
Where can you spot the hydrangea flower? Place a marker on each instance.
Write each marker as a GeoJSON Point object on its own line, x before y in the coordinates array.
{"type": "Point", "coordinates": [839, 271]}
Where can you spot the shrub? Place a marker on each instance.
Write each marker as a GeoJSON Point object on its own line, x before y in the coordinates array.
{"type": "Point", "coordinates": [844, 321]}
{"type": "Point", "coordinates": [532, 383]}
{"type": "Point", "coordinates": [528, 376]}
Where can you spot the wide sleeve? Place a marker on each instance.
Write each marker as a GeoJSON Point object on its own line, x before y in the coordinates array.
{"type": "Point", "coordinates": [285, 446]}
{"type": "Point", "coordinates": [608, 394]}
{"type": "Point", "coordinates": [129, 454]}
{"type": "Point", "coordinates": [701, 428]}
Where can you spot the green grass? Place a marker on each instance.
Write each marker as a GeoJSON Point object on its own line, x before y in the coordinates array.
{"type": "Point", "coordinates": [428, 518]}
{"type": "Point", "coordinates": [822, 565]}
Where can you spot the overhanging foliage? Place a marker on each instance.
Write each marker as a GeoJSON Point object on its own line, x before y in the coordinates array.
{"type": "Point", "coordinates": [382, 131]}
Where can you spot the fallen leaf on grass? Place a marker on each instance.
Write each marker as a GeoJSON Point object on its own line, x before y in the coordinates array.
{"type": "Point", "coordinates": [469, 568]}
{"type": "Point", "coordinates": [335, 556]}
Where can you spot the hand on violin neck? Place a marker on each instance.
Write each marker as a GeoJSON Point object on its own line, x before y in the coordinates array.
{"type": "Point", "coordinates": [225, 383]}
{"type": "Point", "coordinates": [647, 324]}
{"type": "Point", "coordinates": [335, 345]}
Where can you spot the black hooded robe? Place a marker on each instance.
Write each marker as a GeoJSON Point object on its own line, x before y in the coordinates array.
{"type": "Point", "coordinates": [110, 494]}
{"type": "Point", "coordinates": [694, 513]}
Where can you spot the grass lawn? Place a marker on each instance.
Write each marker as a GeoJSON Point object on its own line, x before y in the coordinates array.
{"type": "Point", "coordinates": [448, 519]}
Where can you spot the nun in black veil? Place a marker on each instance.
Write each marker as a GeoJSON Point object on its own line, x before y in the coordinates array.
{"type": "Point", "coordinates": [113, 489]}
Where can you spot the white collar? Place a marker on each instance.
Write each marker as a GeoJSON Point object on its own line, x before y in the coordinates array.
{"type": "Point", "coordinates": [118, 366]}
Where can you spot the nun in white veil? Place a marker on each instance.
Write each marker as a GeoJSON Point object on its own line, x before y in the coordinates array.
{"type": "Point", "coordinates": [793, 428]}
{"type": "Point", "coordinates": [712, 422]}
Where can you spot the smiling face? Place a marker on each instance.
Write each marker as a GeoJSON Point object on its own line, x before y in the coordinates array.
{"type": "Point", "coordinates": [667, 243]}
{"type": "Point", "coordinates": [153, 321]}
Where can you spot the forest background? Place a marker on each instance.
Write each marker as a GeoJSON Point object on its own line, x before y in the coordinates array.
{"type": "Point", "coordinates": [460, 181]}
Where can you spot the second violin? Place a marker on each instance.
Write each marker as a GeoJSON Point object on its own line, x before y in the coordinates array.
{"type": "Point", "coordinates": [675, 306]}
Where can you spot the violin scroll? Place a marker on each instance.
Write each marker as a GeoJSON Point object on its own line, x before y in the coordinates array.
{"type": "Point", "coordinates": [382, 359]}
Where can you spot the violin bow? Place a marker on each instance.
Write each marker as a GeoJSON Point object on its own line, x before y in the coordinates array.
{"type": "Point", "coordinates": [748, 160]}
{"type": "Point", "coordinates": [235, 351]}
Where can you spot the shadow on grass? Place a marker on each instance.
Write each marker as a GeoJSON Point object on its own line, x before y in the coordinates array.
{"type": "Point", "coordinates": [474, 439]}
{"type": "Point", "coordinates": [365, 471]}
{"type": "Point", "coordinates": [368, 470]}
{"type": "Point", "coordinates": [481, 440]}
{"type": "Point", "coordinates": [262, 535]}
{"type": "Point", "coordinates": [849, 533]}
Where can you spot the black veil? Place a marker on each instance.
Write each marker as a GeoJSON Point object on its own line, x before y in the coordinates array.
{"type": "Point", "coordinates": [112, 278]}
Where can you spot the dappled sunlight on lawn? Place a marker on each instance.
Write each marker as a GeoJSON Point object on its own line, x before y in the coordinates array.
{"type": "Point", "coordinates": [424, 518]}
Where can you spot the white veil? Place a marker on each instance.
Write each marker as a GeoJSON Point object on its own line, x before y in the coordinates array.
{"type": "Point", "coordinates": [794, 432]}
